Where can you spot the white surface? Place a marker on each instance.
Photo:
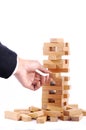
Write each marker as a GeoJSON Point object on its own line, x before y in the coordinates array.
{"type": "Point", "coordinates": [6, 124]}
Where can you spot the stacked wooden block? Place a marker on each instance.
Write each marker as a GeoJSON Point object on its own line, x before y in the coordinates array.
{"type": "Point", "coordinates": [55, 93]}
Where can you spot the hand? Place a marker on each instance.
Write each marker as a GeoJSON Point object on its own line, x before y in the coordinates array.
{"type": "Point", "coordinates": [27, 75]}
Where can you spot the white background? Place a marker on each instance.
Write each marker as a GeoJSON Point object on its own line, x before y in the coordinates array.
{"type": "Point", "coordinates": [24, 26]}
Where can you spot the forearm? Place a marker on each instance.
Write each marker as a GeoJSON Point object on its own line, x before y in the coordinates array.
{"type": "Point", "coordinates": [8, 61]}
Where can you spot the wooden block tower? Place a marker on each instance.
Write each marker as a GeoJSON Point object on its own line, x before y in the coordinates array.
{"type": "Point", "coordinates": [55, 93]}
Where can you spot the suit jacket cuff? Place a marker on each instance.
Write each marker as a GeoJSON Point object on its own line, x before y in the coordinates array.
{"type": "Point", "coordinates": [8, 61]}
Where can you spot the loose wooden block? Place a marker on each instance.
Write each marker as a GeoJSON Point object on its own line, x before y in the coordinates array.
{"type": "Point", "coordinates": [84, 112]}
{"type": "Point", "coordinates": [76, 117]}
{"type": "Point", "coordinates": [36, 114]}
{"type": "Point", "coordinates": [12, 115]}
{"type": "Point", "coordinates": [22, 111]}
{"type": "Point", "coordinates": [65, 118]}
{"type": "Point", "coordinates": [33, 109]}
{"type": "Point", "coordinates": [25, 117]}
{"type": "Point", "coordinates": [53, 119]}
{"type": "Point", "coordinates": [41, 119]}
{"type": "Point", "coordinates": [72, 112]}
{"type": "Point", "coordinates": [72, 106]}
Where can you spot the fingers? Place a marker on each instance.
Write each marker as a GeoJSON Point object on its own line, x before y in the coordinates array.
{"type": "Point", "coordinates": [37, 85]}
{"type": "Point", "coordinates": [43, 69]}
{"type": "Point", "coordinates": [38, 82]}
{"type": "Point", "coordinates": [34, 81]}
{"type": "Point", "coordinates": [44, 77]}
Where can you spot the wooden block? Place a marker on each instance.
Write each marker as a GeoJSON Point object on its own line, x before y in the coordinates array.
{"type": "Point", "coordinates": [54, 75]}
{"type": "Point", "coordinates": [47, 88]}
{"type": "Point", "coordinates": [53, 119]}
{"type": "Point", "coordinates": [72, 112]}
{"type": "Point", "coordinates": [53, 100]}
{"type": "Point", "coordinates": [22, 111]}
{"type": "Point", "coordinates": [66, 49]}
{"type": "Point", "coordinates": [54, 57]}
{"type": "Point", "coordinates": [12, 115]}
{"type": "Point", "coordinates": [59, 81]}
{"type": "Point", "coordinates": [66, 87]}
{"type": "Point", "coordinates": [66, 53]}
{"type": "Point", "coordinates": [52, 113]}
{"type": "Point", "coordinates": [61, 63]}
{"type": "Point", "coordinates": [49, 64]}
{"type": "Point", "coordinates": [36, 114]}
{"type": "Point", "coordinates": [66, 44]}
{"type": "Point", "coordinates": [57, 49]}
{"type": "Point", "coordinates": [44, 105]}
{"type": "Point", "coordinates": [68, 107]}
{"type": "Point", "coordinates": [41, 119]}
{"type": "Point", "coordinates": [58, 92]}
{"type": "Point", "coordinates": [33, 109]}
{"type": "Point", "coordinates": [57, 88]}
{"type": "Point", "coordinates": [59, 70]}
{"type": "Point", "coordinates": [54, 96]}
{"type": "Point", "coordinates": [54, 44]}
{"type": "Point", "coordinates": [52, 104]}
{"type": "Point", "coordinates": [57, 40]}
{"type": "Point", "coordinates": [65, 118]}
{"type": "Point", "coordinates": [65, 95]}
{"type": "Point", "coordinates": [76, 117]}
{"type": "Point", "coordinates": [58, 55]}
{"type": "Point", "coordinates": [25, 117]}
{"type": "Point", "coordinates": [54, 108]}
{"type": "Point", "coordinates": [84, 112]}
{"type": "Point", "coordinates": [72, 106]}
{"type": "Point", "coordinates": [65, 103]}
{"type": "Point", "coordinates": [53, 48]}
{"type": "Point", "coordinates": [66, 78]}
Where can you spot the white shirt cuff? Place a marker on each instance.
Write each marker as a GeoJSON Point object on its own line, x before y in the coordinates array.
{"type": "Point", "coordinates": [16, 67]}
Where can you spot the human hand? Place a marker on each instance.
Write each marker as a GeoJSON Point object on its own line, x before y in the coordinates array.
{"type": "Point", "coordinates": [27, 75]}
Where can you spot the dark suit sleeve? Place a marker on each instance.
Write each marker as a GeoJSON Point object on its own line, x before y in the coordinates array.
{"type": "Point", "coordinates": [8, 61]}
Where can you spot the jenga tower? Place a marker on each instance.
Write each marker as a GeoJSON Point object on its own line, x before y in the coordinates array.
{"type": "Point", "coordinates": [55, 93]}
